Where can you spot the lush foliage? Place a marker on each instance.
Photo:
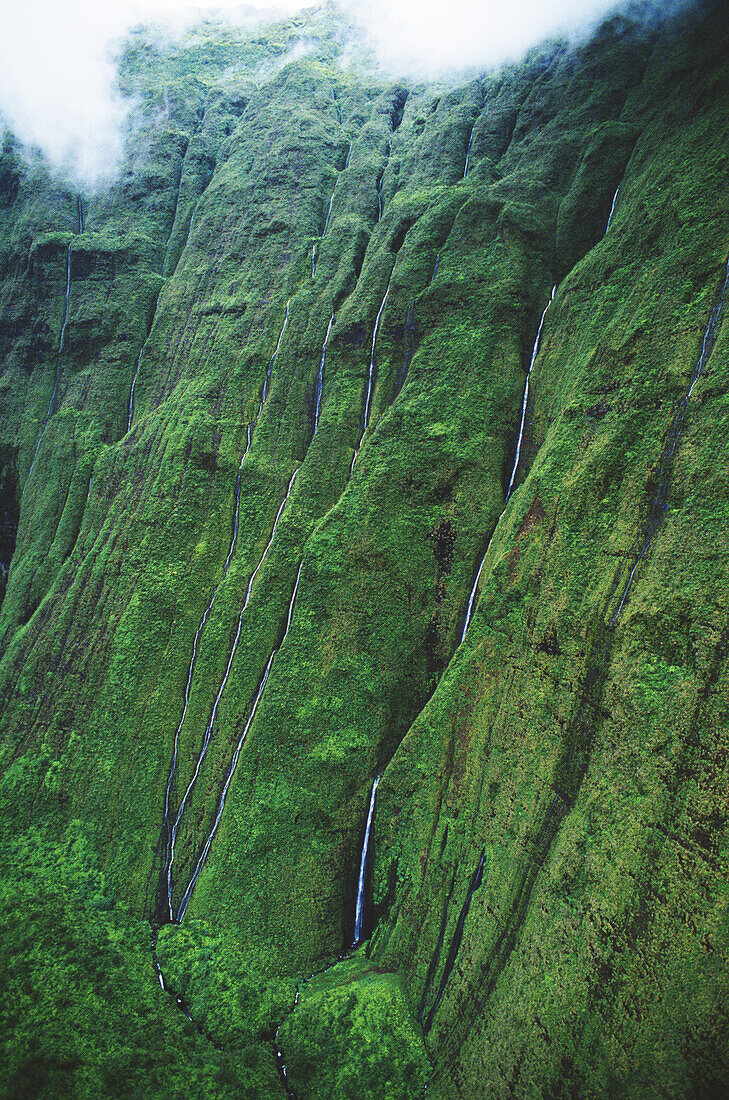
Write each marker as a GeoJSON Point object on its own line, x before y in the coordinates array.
{"type": "Point", "coordinates": [548, 890]}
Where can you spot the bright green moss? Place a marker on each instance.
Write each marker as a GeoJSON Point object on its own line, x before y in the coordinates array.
{"type": "Point", "coordinates": [234, 153]}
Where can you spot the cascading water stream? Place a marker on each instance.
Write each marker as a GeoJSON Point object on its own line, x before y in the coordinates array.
{"type": "Point", "coordinates": [525, 399]}
{"type": "Point", "coordinates": [234, 761]}
{"type": "Point", "coordinates": [468, 151]}
{"type": "Point", "coordinates": [358, 921]}
{"type": "Point", "coordinates": [535, 350]}
{"type": "Point", "coordinates": [80, 214]}
{"type": "Point", "coordinates": [572, 767]}
{"type": "Point", "coordinates": [370, 381]}
{"type": "Point", "coordinates": [130, 416]}
{"type": "Point", "coordinates": [174, 830]}
{"type": "Point", "coordinates": [61, 342]}
{"type": "Point", "coordinates": [269, 372]}
{"type": "Point", "coordinates": [169, 831]}
{"type": "Point", "coordinates": [280, 1064]}
{"type": "Point", "coordinates": [329, 214]}
{"type": "Point", "coordinates": [612, 208]}
{"type": "Point", "coordinates": [435, 268]}
{"type": "Point", "coordinates": [658, 503]}
{"type": "Point", "coordinates": [363, 864]}
{"type": "Point", "coordinates": [319, 383]}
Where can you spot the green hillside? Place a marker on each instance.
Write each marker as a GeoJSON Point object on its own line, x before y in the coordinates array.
{"type": "Point", "coordinates": [265, 454]}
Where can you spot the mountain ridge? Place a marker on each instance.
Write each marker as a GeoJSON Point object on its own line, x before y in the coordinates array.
{"type": "Point", "coordinates": [290, 347]}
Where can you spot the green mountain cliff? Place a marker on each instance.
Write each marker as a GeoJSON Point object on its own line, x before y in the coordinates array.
{"type": "Point", "coordinates": [272, 524]}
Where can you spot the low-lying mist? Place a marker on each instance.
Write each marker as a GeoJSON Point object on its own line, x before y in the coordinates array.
{"type": "Point", "coordinates": [57, 70]}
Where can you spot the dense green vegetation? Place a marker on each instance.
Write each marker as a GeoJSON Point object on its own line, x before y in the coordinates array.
{"type": "Point", "coordinates": [548, 892]}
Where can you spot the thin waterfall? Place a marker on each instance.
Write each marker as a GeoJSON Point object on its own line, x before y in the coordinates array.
{"type": "Point", "coordinates": [80, 214]}
{"type": "Point", "coordinates": [234, 761]}
{"type": "Point", "coordinates": [658, 503]}
{"type": "Point", "coordinates": [363, 861]}
{"type": "Point", "coordinates": [61, 342]}
{"type": "Point", "coordinates": [171, 832]}
{"type": "Point", "coordinates": [349, 155]}
{"type": "Point", "coordinates": [329, 214]}
{"type": "Point", "coordinates": [435, 268]}
{"type": "Point", "coordinates": [173, 767]}
{"type": "Point", "coordinates": [520, 436]}
{"type": "Point", "coordinates": [319, 383]}
{"type": "Point", "coordinates": [130, 417]}
{"type": "Point", "coordinates": [612, 208]}
{"type": "Point", "coordinates": [370, 381]}
{"type": "Point", "coordinates": [535, 350]}
{"type": "Point", "coordinates": [572, 767]}
{"type": "Point", "coordinates": [269, 372]}
{"type": "Point", "coordinates": [468, 151]}
{"type": "Point", "coordinates": [270, 541]}
{"type": "Point", "coordinates": [174, 830]}
{"type": "Point", "coordinates": [313, 260]}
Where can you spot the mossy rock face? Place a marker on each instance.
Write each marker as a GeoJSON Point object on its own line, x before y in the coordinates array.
{"type": "Point", "coordinates": [545, 889]}
{"type": "Point", "coordinates": [351, 1034]}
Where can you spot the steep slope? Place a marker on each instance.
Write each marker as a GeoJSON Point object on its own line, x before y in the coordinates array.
{"type": "Point", "coordinates": [261, 413]}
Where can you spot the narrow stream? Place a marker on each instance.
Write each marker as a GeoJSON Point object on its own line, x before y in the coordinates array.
{"type": "Point", "coordinates": [174, 830]}
{"type": "Point", "coordinates": [363, 866]}
{"type": "Point", "coordinates": [170, 831]}
{"type": "Point", "coordinates": [517, 455]}
{"type": "Point", "coordinates": [319, 382]}
{"type": "Point", "coordinates": [234, 761]}
{"type": "Point", "coordinates": [370, 381]}
{"type": "Point", "coordinates": [468, 151]}
{"type": "Point", "coordinates": [571, 768]}
{"type": "Point", "coordinates": [612, 207]}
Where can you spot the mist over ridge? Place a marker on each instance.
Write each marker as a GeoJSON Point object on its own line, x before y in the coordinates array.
{"type": "Point", "coordinates": [58, 87]}
{"type": "Point", "coordinates": [364, 645]}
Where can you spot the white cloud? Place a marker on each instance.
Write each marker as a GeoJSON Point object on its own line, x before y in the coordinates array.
{"type": "Point", "coordinates": [56, 73]}
{"type": "Point", "coordinates": [432, 36]}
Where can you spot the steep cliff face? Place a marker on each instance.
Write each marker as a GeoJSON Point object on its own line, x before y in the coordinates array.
{"type": "Point", "coordinates": [265, 453]}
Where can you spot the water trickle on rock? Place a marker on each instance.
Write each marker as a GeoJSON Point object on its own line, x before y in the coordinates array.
{"type": "Point", "coordinates": [170, 830]}
{"type": "Point", "coordinates": [468, 151]}
{"type": "Point", "coordinates": [658, 501]}
{"type": "Point", "coordinates": [130, 415]}
{"type": "Point", "coordinates": [517, 455]}
{"type": "Point", "coordinates": [173, 832]}
{"type": "Point", "coordinates": [370, 381]}
{"type": "Point", "coordinates": [359, 909]}
{"type": "Point", "coordinates": [319, 381]}
{"type": "Point", "coordinates": [234, 761]}
{"type": "Point", "coordinates": [612, 207]}
{"type": "Point", "coordinates": [329, 214]}
{"type": "Point", "coordinates": [272, 361]}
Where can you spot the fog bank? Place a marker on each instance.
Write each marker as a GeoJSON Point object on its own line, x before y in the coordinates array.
{"type": "Point", "coordinates": [57, 72]}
